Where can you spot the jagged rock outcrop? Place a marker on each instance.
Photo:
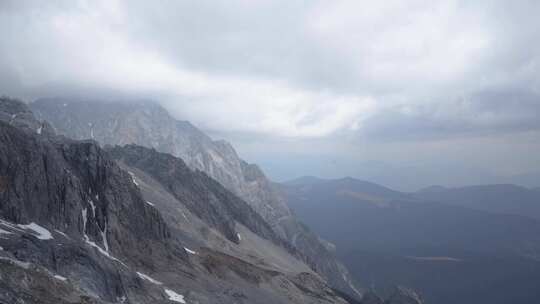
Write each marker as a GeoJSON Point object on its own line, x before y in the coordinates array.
{"type": "Point", "coordinates": [148, 124]}
{"type": "Point", "coordinates": [203, 212]}
{"type": "Point", "coordinates": [202, 195]}
{"type": "Point", "coordinates": [57, 189]}
{"type": "Point", "coordinates": [76, 227]}
{"type": "Point", "coordinates": [72, 186]}
{"type": "Point", "coordinates": [19, 115]}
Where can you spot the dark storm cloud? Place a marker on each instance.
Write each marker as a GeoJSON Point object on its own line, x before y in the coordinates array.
{"type": "Point", "coordinates": [355, 76]}
{"type": "Point", "coordinates": [342, 65]}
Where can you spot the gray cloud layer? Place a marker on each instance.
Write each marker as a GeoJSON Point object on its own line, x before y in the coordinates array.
{"type": "Point", "coordinates": [346, 73]}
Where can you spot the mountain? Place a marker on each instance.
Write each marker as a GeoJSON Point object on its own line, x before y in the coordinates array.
{"type": "Point", "coordinates": [503, 198]}
{"type": "Point", "coordinates": [305, 180]}
{"type": "Point", "coordinates": [147, 124]}
{"type": "Point", "coordinates": [433, 189]}
{"type": "Point", "coordinates": [350, 183]}
{"type": "Point", "coordinates": [201, 196]}
{"type": "Point", "coordinates": [448, 253]}
{"type": "Point", "coordinates": [80, 224]}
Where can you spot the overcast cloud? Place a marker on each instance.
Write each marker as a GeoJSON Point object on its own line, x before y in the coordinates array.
{"type": "Point", "coordinates": [350, 79]}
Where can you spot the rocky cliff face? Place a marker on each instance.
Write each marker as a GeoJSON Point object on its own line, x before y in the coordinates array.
{"type": "Point", "coordinates": [77, 227]}
{"type": "Point", "coordinates": [148, 124]}
{"type": "Point", "coordinates": [202, 195]}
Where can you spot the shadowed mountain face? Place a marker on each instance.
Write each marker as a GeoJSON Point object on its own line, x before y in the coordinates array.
{"type": "Point", "coordinates": [147, 124]}
{"type": "Point", "coordinates": [202, 195]}
{"type": "Point", "coordinates": [449, 253]}
{"type": "Point", "coordinates": [82, 225]}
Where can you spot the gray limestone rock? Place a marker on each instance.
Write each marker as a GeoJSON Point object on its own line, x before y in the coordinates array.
{"type": "Point", "coordinates": [148, 124]}
{"type": "Point", "coordinates": [75, 227]}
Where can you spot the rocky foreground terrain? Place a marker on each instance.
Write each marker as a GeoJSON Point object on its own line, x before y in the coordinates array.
{"type": "Point", "coordinates": [131, 224]}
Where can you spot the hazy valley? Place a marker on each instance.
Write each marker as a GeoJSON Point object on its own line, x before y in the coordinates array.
{"type": "Point", "coordinates": [452, 245]}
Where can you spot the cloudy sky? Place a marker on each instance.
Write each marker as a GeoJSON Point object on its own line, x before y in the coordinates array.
{"type": "Point", "coordinates": [407, 93]}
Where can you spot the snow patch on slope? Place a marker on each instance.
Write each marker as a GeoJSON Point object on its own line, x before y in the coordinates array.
{"type": "Point", "coordinates": [190, 251]}
{"type": "Point", "coordinates": [61, 233]}
{"type": "Point", "coordinates": [59, 277]}
{"type": "Point", "coordinates": [43, 234]}
{"type": "Point", "coordinates": [93, 244]}
{"type": "Point", "coordinates": [105, 253]}
{"type": "Point", "coordinates": [104, 238]}
{"type": "Point", "coordinates": [173, 296]}
{"type": "Point", "coordinates": [148, 278]}
{"type": "Point", "coordinates": [93, 207]}
{"type": "Point", "coordinates": [84, 218]}
{"type": "Point", "coordinates": [133, 178]}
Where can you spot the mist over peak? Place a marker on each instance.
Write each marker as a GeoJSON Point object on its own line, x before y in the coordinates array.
{"type": "Point", "coordinates": [444, 82]}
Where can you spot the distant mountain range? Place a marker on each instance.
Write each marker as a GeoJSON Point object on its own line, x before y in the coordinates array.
{"type": "Point", "coordinates": [478, 244]}
{"type": "Point", "coordinates": [398, 176]}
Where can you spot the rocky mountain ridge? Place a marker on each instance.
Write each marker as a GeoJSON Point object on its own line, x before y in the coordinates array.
{"type": "Point", "coordinates": [148, 124]}
{"type": "Point", "coordinates": [77, 227]}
